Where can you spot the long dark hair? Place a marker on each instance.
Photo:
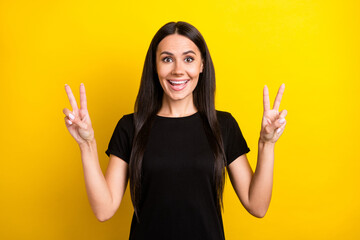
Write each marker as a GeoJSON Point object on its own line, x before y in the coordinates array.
{"type": "Point", "coordinates": [149, 101]}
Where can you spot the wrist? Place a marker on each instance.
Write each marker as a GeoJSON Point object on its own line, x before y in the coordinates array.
{"type": "Point", "coordinates": [263, 143]}
{"type": "Point", "coordinates": [88, 145]}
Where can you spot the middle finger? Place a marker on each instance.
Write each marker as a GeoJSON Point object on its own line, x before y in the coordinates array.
{"type": "Point", "coordinates": [71, 99]}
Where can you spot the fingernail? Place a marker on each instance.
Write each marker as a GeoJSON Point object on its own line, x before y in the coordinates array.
{"type": "Point", "coordinates": [278, 130]}
{"type": "Point", "coordinates": [70, 122]}
{"type": "Point", "coordinates": [71, 116]}
{"type": "Point", "coordinates": [282, 120]}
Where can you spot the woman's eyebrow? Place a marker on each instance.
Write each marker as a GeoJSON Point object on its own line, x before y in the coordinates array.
{"type": "Point", "coordinates": [184, 53]}
{"type": "Point", "coordinates": [190, 51]}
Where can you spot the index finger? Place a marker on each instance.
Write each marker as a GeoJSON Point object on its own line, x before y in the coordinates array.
{"type": "Point", "coordinates": [266, 98]}
{"type": "Point", "coordinates": [278, 97]}
{"type": "Point", "coordinates": [71, 98]}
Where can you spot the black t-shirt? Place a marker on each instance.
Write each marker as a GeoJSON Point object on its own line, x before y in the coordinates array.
{"type": "Point", "coordinates": [178, 195]}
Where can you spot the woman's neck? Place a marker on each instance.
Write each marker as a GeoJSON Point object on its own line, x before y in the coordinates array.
{"type": "Point", "coordinates": [177, 108]}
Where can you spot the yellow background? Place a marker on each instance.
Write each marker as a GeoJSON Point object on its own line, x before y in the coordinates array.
{"type": "Point", "coordinates": [311, 46]}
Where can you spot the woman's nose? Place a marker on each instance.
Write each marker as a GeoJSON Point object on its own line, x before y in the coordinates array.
{"type": "Point", "coordinates": [178, 68]}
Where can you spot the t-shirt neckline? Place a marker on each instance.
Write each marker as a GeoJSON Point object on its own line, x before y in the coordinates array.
{"type": "Point", "coordinates": [189, 116]}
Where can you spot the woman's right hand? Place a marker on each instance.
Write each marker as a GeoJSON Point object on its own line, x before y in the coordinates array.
{"type": "Point", "coordinates": [78, 121]}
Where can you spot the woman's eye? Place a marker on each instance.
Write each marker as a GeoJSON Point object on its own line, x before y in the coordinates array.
{"type": "Point", "coordinates": [189, 59]}
{"type": "Point", "coordinates": [167, 59]}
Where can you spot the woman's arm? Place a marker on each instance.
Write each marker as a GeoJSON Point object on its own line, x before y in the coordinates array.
{"type": "Point", "coordinates": [254, 189]}
{"type": "Point", "coordinates": [104, 192]}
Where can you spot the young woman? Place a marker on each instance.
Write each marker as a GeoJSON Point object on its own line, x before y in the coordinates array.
{"type": "Point", "coordinates": [175, 147]}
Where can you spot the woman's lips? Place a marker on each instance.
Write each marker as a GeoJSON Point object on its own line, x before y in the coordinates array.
{"type": "Point", "coordinates": [178, 84]}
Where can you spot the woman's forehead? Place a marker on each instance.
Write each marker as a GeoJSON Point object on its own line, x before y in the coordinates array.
{"type": "Point", "coordinates": [176, 43]}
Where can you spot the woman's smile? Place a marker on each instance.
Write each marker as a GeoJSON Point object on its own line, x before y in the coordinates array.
{"type": "Point", "coordinates": [179, 84]}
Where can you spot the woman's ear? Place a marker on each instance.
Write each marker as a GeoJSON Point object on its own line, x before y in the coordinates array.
{"type": "Point", "coordinates": [202, 66]}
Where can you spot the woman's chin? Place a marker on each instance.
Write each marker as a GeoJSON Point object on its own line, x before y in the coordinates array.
{"type": "Point", "coordinates": [177, 97]}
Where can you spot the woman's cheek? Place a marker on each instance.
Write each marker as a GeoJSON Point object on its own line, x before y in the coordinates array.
{"type": "Point", "coordinates": [163, 71]}
{"type": "Point", "coordinates": [194, 72]}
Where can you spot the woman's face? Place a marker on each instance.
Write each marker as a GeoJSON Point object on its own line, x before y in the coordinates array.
{"type": "Point", "coordinates": [178, 64]}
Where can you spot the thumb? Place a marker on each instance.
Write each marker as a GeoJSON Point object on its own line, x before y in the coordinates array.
{"type": "Point", "coordinates": [73, 119]}
{"type": "Point", "coordinates": [283, 114]}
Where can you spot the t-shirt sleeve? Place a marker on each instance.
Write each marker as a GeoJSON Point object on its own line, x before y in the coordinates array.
{"type": "Point", "coordinates": [121, 141]}
{"type": "Point", "coordinates": [234, 141]}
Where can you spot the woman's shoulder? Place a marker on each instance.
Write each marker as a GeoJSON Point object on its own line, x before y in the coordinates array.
{"type": "Point", "coordinates": [223, 116]}
{"type": "Point", "coordinates": [226, 120]}
{"type": "Point", "coordinates": [126, 121]}
{"type": "Point", "coordinates": [128, 117]}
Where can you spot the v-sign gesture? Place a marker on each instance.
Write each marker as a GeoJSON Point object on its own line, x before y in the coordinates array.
{"type": "Point", "coordinates": [78, 120]}
{"type": "Point", "coordinates": [273, 122]}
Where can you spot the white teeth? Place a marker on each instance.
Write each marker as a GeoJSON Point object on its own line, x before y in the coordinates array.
{"type": "Point", "coordinates": [178, 82]}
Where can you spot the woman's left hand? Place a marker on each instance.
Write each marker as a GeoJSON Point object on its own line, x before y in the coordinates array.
{"type": "Point", "coordinates": [273, 121]}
